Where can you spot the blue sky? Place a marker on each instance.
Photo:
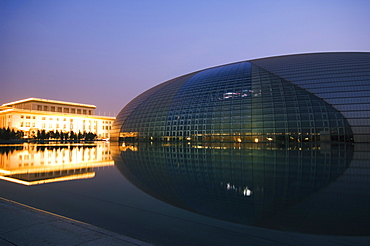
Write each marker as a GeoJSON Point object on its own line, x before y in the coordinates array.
{"type": "Point", "coordinates": [107, 52]}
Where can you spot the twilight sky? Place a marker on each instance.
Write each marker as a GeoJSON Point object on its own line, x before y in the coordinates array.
{"type": "Point", "coordinates": [109, 51]}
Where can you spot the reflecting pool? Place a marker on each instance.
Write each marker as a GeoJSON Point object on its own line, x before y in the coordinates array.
{"type": "Point", "coordinates": [32, 164]}
{"type": "Point", "coordinates": [320, 189]}
{"type": "Point", "coordinates": [199, 193]}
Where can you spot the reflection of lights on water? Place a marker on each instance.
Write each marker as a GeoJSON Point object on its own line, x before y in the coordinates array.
{"type": "Point", "coordinates": [45, 163]}
{"type": "Point", "coordinates": [247, 192]}
{"type": "Point", "coordinates": [244, 191]}
{"type": "Point", "coordinates": [269, 139]}
{"type": "Point", "coordinates": [239, 140]}
{"type": "Point", "coordinates": [230, 187]}
{"type": "Point", "coordinates": [256, 140]}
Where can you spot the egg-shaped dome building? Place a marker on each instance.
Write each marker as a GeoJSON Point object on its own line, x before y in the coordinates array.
{"type": "Point", "coordinates": [317, 97]}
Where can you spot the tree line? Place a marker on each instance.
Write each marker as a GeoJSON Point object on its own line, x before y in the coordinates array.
{"type": "Point", "coordinates": [8, 134]}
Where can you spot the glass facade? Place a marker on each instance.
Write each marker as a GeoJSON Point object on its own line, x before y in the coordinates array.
{"type": "Point", "coordinates": [299, 98]}
{"type": "Point", "coordinates": [340, 79]}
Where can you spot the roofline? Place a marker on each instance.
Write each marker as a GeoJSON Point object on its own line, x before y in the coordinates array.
{"type": "Point", "coordinates": [266, 57]}
{"type": "Point", "coordinates": [8, 110]}
{"type": "Point", "coordinates": [307, 53]}
{"type": "Point", "coordinates": [49, 101]}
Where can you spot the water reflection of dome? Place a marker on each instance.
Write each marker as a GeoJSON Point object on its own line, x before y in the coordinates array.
{"type": "Point", "coordinates": [252, 184]}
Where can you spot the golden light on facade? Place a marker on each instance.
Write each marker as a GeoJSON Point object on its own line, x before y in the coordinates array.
{"type": "Point", "coordinates": [34, 114]}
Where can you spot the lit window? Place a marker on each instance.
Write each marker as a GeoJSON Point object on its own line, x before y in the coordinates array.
{"type": "Point", "coordinates": [43, 118]}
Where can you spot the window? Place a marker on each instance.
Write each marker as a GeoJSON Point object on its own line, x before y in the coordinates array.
{"type": "Point", "coordinates": [27, 124]}
{"type": "Point", "coordinates": [52, 109]}
{"type": "Point", "coordinates": [78, 111]}
{"type": "Point", "coordinates": [73, 111]}
{"type": "Point", "coordinates": [43, 118]}
{"type": "Point", "coordinates": [60, 109]}
{"type": "Point", "coordinates": [45, 108]}
{"type": "Point", "coordinates": [66, 110]}
{"type": "Point", "coordinates": [39, 107]}
{"type": "Point", "coordinates": [84, 111]}
{"type": "Point", "coordinates": [21, 124]}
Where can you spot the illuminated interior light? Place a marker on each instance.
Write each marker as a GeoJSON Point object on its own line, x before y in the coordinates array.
{"type": "Point", "coordinates": [247, 192]}
{"type": "Point", "coordinates": [256, 140]}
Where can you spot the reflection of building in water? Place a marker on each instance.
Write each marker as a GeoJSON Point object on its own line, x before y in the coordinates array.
{"type": "Point", "coordinates": [246, 183]}
{"type": "Point", "coordinates": [36, 164]}
{"type": "Point", "coordinates": [33, 114]}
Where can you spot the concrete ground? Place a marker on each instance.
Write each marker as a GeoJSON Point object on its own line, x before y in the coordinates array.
{"type": "Point", "coordinates": [23, 225]}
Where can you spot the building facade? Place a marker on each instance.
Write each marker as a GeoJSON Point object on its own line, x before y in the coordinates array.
{"type": "Point", "coordinates": [319, 97]}
{"type": "Point", "coordinates": [33, 114]}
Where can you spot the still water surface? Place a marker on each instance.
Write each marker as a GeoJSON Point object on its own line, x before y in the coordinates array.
{"type": "Point", "coordinates": [198, 193]}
